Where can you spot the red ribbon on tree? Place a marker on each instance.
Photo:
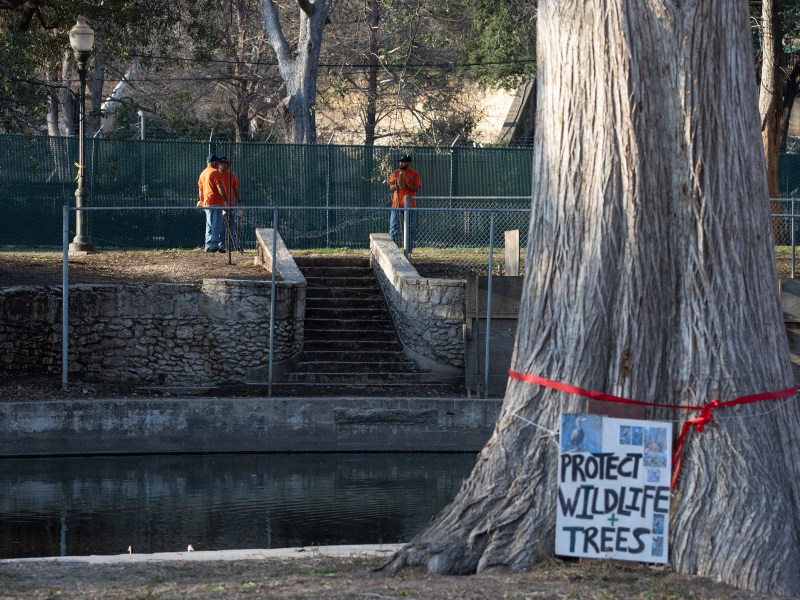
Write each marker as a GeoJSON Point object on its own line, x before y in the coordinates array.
{"type": "Point", "coordinates": [699, 421]}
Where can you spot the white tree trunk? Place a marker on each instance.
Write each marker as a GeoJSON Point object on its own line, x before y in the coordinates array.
{"type": "Point", "coordinates": [650, 275]}
{"type": "Point", "coordinates": [108, 109]}
{"type": "Point", "coordinates": [52, 111]}
{"type": "Point", "coordinates": [298, 68]}
{"type": "Point", "coordinates": [68, 116]}
{"type": "Point", "coordinates": [770, 91]}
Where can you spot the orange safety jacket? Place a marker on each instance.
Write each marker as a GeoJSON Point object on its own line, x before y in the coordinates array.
{"type": "Point", "coordinates": [231, 183]}
{"type": "Point", "coordinates": [409, 175]}
{"type": "Point", "coordinates": [208, 183]}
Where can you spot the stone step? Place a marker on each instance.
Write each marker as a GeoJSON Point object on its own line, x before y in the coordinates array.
{"type": "Point", "coordinates": [356, 345]}
{"type": "Point", "coordinates": [343, 292]}
{"type": "Point", "coordinates": [327, 323]}
{"type": "Point", "coordinates": [359, 378]}
{"type": "Point", "coordinates": [341, 367]}
{"type": "Point", "coordinates": [351, 345]}
{"type": "Point", "coordinates": [381, 335]}
{"type": "Point", "coordinates": [332, 261]}
{"type": "Point", "coordinates": [356, 355]}
{"type": "Point", "coordinates": [333, 272]}
{"type": "Point", "coordinates": [394, 389]}
{"type": "Point", "coordinates": [347, 314]}
{"type": "Point", "coordinates": [345, 282]}
{"type": "Point", "coordinates": [373, 302]}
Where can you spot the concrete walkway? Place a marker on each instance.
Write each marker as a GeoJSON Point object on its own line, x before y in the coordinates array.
{"type": "Point", "coordinates": [221, 555]}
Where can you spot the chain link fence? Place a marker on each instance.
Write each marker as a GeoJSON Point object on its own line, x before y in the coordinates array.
{"type": "Point", "coordinates": [330, 196]}
{"type": "Point", "coordinates": [461, 237]}
{"type": "Point", "coordinates": [39, 176]}
{"type": "Point", "coordinates": [454, 241]}
{"type": "Point", "coordinates": [785, 214]}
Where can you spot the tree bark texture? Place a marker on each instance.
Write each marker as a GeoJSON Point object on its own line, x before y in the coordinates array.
{"type": "Point", "coordinates": [298, 68]}
{"type": "Point", "coordinates": [650, 275]}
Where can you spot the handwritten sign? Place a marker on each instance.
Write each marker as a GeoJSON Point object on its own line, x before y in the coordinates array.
{"type": "Point", "coordinates": [613, 488]}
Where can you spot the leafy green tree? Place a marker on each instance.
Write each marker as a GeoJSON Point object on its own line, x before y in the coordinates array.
{"type": "Point", "coordinates": [500, 41]}
{"type": "Point", "coordinates": [35, 34]}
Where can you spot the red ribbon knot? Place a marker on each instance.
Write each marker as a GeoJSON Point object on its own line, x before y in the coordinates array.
{"type": "Point", "coordinates": [705, 415]}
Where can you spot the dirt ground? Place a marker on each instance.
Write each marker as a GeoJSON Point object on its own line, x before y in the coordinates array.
{"type": "Point", "coordinates": [162, 266]}
{"type": "Point", "coordinates": [321, 577]}
{"type": "Point", "coordinates": [132, 267]}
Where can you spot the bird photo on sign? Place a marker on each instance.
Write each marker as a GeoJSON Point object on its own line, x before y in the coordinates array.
{"type": "Point", "coordinates": [581, 433]}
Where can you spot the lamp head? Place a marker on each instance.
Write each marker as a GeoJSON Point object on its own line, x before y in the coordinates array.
{"type": "Point", "coordinates": [81, 37]}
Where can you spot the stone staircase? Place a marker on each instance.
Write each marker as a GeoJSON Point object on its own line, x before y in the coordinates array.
{"type": "Point", "coordinates": [351, 347]}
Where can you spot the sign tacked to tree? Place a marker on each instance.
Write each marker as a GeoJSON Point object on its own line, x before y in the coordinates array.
{"type": "Point", "coordinates": [613, 488]}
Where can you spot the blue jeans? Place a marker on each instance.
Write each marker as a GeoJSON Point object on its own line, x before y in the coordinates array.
{"type": "Point", "coordinates": [396, 227]}
{"type": "Point", "coordinates": [215, 229]}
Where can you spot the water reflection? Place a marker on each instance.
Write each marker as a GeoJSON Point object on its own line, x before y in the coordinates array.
{"type": "Point", "coordinates": [102, 505]}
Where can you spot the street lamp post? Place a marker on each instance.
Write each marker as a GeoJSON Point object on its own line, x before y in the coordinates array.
{"type": "Point", "coordinates": [81, 38]}
{"type": "Point", "coordinates": [141, 150]}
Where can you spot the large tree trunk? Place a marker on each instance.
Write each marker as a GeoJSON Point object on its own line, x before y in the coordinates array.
{"type": "Point", "coordinates": [651, 275]}
{"type": "Point", "coordinates": [299, 68]}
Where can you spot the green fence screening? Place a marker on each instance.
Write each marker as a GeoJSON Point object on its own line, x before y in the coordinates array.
{"type": "Point", "coordinates": [39, 176]}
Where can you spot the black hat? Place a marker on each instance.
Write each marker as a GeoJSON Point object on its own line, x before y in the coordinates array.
{"type": "Point", "coordinates": [222, 159]}
{"type": "Point", "coordinates": [212, 158]}
{"type": "Point", "coordinates": [404, 158]}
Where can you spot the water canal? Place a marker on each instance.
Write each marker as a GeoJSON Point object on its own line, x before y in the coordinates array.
{"type": "Point", "coordinates": [102, 505]}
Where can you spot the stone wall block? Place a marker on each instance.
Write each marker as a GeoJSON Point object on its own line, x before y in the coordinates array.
{"type": "Point", "coordinates": [159, 333]}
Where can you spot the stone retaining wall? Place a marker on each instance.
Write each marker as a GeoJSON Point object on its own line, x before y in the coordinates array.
{"type": "Point", "coordinates": [428, 313]}
{"type": "Point", "coordinates": [213, 333]}
{"type": "Point", "coordinates": [160, 334]}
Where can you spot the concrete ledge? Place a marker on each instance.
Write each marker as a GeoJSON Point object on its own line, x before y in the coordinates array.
{"type": "Point", "coordinates": [428, 313]}
{"type": "Point", "coordinates": [286, 269]}
{"type": "Point", "coordinates": [160, 426]}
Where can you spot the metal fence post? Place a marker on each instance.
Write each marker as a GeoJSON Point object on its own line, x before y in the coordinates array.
{"type": "Point", "coordinates": [406, 228]}
{"type": "Point", "coordinates": [451, 187]}
{"type": "Point", "coordinates": [488, 308]}
{"type": "Point", "coordinates": [272, 295]}
{"type": "Point", "coordinates": [328, 167]}
{"type": "Point", "coordinates": [794, 247]}
{"type": "Point", "coordinates": [142, 156]}
{"type": "Point", "coordinates": [64, 297]}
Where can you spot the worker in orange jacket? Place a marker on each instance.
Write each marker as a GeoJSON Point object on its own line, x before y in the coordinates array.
{"type": "Point", "coordinates": [211, 190]}
{"type": "Point", "coordinates": [231, 183]}
{"type": "Point", "coordinates": [405, 182]}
